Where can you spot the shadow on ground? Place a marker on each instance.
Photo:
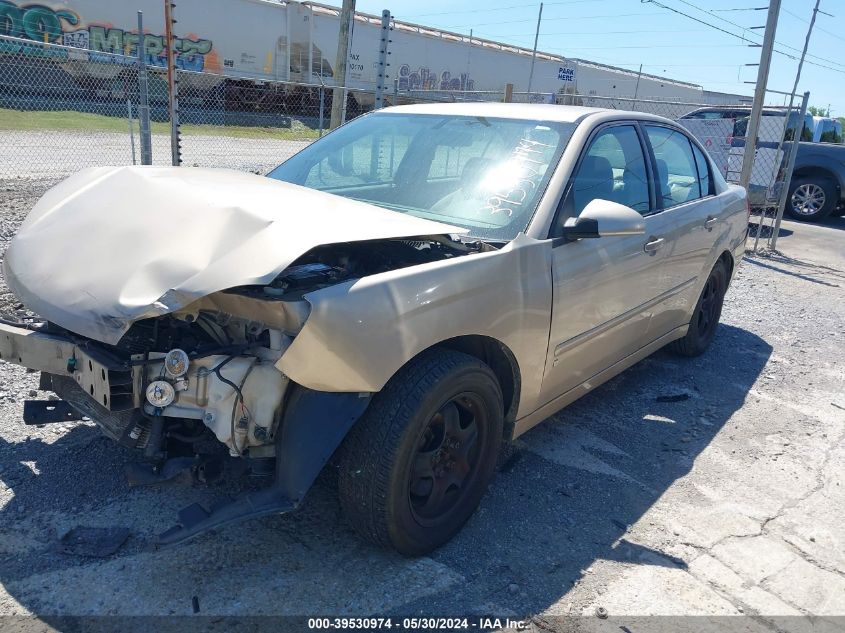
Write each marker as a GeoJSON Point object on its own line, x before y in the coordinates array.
{"type": "Point", "coordinates": [801, 269]}
{"type": "Point", "coordinates": [563, 500]}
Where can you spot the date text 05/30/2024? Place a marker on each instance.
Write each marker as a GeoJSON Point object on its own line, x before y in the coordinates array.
{"type": "Point", "coordinates": [418, 624]}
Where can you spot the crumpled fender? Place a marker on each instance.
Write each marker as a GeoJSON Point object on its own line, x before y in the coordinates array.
{"type": "Point", "coordinates": [112, 245]}
{"type": "Point", "coordinates": [361, 332]}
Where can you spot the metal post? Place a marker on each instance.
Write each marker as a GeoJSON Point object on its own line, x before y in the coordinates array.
{"type": "Point", "coordinates": [145, 140]}
{"type": "Point", "coordinates": [637, 86]}
{"type": "Point", "coordinates": [347, 12]}
{"type": "Point", "coordinates": [172, 85]}
{"type": "Point", "coordinates": [348, 56]}
{"type": "Point", "coordinates": [534, 52]}
{"type": "Point", "coordinates": [131, 128]}
{"type": "Point", "coordinates": [322, 97]}
{"type": "Point", "coordinates": [759, 94]}
{"type": "Point", "coordinates": [508, 93]}
{"type": "Point", "coordinates": [382, 58]}
{"type": "Point", "coordinates": [465, 84]}
{"type": "Point", "coordinates": [395, 92]}
{"type": "Point", "coordinates": [790, 165]}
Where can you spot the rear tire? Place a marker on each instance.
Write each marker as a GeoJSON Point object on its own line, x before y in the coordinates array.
{"type": "Point", "coordinates": [811, 199]}
{"type": "Point", "coordinates": [415, 467]}
{"type": "Point", "coordinates": [705, 317]}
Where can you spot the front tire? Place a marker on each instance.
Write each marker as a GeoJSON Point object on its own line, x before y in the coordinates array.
{"type": "Point", "coordinates": [415, 467]}
{"type": "Point", "coordinates": [811, 199]}
{"type": "Point", "coordinates": [705, 318]}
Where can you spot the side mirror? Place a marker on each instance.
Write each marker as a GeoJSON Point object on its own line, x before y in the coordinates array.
{"type": "Point", "coordinates": [603, 218]}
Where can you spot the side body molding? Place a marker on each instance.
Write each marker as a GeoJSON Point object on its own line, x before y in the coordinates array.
{"type": "Point", "coordinates": [360, 333]}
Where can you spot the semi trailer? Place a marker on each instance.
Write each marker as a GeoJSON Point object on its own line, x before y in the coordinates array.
{"type": "Point", "coordinates": [248, 47]}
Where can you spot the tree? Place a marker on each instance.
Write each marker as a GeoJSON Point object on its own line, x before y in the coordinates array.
{"type": "Point", "coordinates": [817, 111]}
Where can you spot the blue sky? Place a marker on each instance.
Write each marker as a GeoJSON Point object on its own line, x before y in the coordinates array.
{"type": "Point", "coordinates": [628, 33]}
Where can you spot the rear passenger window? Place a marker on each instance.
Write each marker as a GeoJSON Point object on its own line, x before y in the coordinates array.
{"type": "Point", "coordinates": [703, 171]}
{"type": "Point", "coordinates": [677, 175]}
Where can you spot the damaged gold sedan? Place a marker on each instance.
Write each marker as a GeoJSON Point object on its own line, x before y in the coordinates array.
{"type": "Point", "coordinates": [397, 299]}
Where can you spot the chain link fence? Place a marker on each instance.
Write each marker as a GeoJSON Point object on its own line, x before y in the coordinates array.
{"type": "Point", "coordinates": [244, 124]}
{"type": "Point", "coordinates": [63, 109]}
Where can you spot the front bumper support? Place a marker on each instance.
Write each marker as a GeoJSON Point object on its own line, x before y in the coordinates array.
{"type": "Point", "coordinates": [314, 425]}
{"type": "Point", "coordinates": [49, 412]}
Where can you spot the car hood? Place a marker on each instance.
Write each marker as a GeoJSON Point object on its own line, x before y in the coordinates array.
{"type": "Point", "coordinates": [112, 245]}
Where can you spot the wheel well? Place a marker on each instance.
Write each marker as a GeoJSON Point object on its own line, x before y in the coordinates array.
{"type": "Point", "coordinates": [729, 262]}
{"type": "Point", "coordinates": [503, 363]}
{"type": "Point", "coordinates": [815, 172]}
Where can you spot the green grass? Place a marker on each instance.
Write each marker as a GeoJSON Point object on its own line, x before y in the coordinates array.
{"type": "Point", "coordinates": [69, 120]}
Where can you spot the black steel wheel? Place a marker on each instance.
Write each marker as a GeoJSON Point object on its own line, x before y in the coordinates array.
{"type": "Point", "coordinates": [447, 458]}
{"type": "Point", "coordinates": [705, 317]}
{"type": "Point", "coordinates": [415, 467]}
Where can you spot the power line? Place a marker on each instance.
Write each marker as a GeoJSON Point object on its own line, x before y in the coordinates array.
{"type": "Point", "coordinates": [740, 9]}
{"type": "Point", "coordinates": [568, 18]}
{"type": "Point", "coordinates": [741, 37]}
{"type": "Point", "coordinates": [488, 9]}
{"type": "Point", "coordinates": [604, 48]}
{"type": "Point", "coordinates": [739, 26]}
{"type": "Point", "coordinates": [570, 33]}
{"type": "Point", "coordinates": [818, 28]}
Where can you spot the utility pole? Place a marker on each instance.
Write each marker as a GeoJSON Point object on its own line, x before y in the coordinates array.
{"type": "Point", "coordinates": [534, 53]}
{"type": "Point", "coordinates": [347, 12]}
{"type": "Point", "coordinates": [759, 93]}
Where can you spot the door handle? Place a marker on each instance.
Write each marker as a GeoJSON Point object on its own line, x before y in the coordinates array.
{"type": "Point", "coordinates": [710, 222]}
{"type": "Point", "coordinates": [654, 245]}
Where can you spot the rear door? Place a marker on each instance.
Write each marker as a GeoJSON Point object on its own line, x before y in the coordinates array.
{"type": "Point", "coordinates": [693, 218]}
{"type": "Point", "coordinates": [605, 289]}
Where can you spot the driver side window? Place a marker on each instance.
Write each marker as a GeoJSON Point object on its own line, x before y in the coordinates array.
{"type": "Point", "coordinates": [613, 168]}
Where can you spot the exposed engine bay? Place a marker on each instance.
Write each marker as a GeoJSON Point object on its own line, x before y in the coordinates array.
{"type": "Point", "coordinates": [208, 371]}
{"type": "Point", "coordinates": [335, 263]}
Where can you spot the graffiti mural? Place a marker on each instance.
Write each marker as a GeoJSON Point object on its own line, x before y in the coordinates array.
{"type": "Point", "coordinates": [40, 23]}
{"type": "Point", "coordinates": [34, 22]}
{"type": "Point", "coordinates": [424, 79]}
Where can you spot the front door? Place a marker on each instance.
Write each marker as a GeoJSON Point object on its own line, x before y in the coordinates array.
{"type": "Point", "coordinates": [605, 289]}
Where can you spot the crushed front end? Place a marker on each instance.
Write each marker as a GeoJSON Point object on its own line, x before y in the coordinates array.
{"type": "Point", "coordinates": [199, 392]}
{"type": "Point", "coordinates": [173, 348]}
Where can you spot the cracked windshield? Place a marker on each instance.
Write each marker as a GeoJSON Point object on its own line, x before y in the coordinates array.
{"type": "Point", "coordinates": [483, 174]}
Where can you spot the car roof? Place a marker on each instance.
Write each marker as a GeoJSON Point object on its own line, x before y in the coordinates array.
{"type": "Point", "coordinates": [530, 111]}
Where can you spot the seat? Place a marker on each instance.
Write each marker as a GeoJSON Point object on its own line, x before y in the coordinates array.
{"type": "Point", "coordinates": [472, 175]}
{"type": "Point", "coordinates": [633, 190]}
{"type": "Point", "coordinates": [663, 181]}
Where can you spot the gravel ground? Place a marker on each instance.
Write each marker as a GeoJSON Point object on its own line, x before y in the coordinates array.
{"type": "Point", "coordinates": [53, 155]}
{"type": "Point", "coordinates": [725, 498]}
